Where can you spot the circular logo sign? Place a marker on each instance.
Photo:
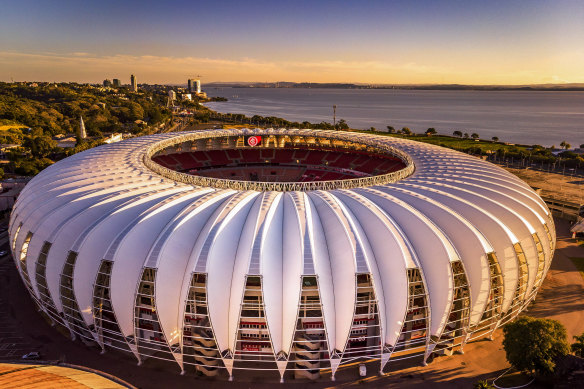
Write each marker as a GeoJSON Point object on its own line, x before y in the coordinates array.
{"type": "Point", "coordinates": [254, 140]}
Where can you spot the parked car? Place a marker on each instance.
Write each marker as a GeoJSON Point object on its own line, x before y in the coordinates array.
{"type": "Point", "coordinates": [3, 253]}
{"type": "Point", "coordinates": [32, 355]}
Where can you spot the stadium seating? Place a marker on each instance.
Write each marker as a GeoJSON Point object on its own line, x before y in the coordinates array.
{"type": "Point", "coordinates": [283, 165]}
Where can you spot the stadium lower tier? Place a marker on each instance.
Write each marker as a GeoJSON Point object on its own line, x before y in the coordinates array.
{"type": "Point", "coordinates": [285, 165]}
{"type": "Point", "coordinates": [276, 173]}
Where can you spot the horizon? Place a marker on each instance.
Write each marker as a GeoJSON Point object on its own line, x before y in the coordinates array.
{"type": "Point", "coordinates": [403, 43]}
{"type": "Point", "coordinates": [374, 85]}
{"type": "Point", "coordinates": [235, 83]}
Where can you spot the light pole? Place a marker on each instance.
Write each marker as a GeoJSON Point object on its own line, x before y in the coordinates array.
{"type": "Point", "coordinates": [334, 116]}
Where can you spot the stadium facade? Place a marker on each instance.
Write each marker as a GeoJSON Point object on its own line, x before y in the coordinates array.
{"type": "Point", "coordinates": [288, 251]}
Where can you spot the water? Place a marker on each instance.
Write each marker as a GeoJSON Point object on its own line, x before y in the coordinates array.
{"type": "Point", "coordinates": [526, 117]}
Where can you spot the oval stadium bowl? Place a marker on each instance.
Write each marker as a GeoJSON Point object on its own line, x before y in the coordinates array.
{"type": "Point", "coordinates": [288, 251]}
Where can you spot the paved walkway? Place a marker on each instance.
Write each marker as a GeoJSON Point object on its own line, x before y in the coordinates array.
{"type": "Point", "coordinates": [562, 295]}
{"type": "Point", "coordinates": [46, 376]}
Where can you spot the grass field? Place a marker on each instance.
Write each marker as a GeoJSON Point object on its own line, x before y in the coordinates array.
{"type": "Point", "coordinates": [454, 142]}
{"type": "Point", "coordinates": [459, 143]}
{"type": "Point", "coordinates": [8, 126]}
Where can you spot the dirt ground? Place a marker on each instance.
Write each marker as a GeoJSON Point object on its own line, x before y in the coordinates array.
{"type": "Point", "coordinates": [557, 186]}
{"type": "Point", "coordinates": [561, 298]}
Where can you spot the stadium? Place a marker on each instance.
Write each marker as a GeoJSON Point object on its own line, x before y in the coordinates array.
{"type": "Point", "coordinates": [288, 252]}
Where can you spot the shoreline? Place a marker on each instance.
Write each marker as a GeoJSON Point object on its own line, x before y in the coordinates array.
{"type": "Point", "coordinates": [519, 117]}
{"type": "Point", "coordinates": [326, 125]}
{"type": "Point", "coordinates": [575, 87]}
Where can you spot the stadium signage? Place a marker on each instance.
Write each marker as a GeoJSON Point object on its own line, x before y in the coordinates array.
{"type": "Point", "coordinates": [253, 140]}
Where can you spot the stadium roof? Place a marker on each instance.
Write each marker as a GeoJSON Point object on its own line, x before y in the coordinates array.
{"type": "Point", "coordinates": [108, 204]}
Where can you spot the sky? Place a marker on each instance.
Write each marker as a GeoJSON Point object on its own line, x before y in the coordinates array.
{"type": "Point", "coordinates": [367, 41]}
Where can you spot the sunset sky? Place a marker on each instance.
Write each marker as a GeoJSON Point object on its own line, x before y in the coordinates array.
{"type": "Point", "coordinates": [470, 42]}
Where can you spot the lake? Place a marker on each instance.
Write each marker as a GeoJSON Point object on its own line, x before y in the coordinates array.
{"type": "Point", "coordinates": [528, 117]}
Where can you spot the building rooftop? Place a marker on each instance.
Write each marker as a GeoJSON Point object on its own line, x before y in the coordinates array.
{"type": "Point", "coordinates": [14, 375]}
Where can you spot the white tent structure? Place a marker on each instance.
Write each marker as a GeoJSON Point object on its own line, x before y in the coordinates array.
{"type": "Point", "coordinates": [220, 275]}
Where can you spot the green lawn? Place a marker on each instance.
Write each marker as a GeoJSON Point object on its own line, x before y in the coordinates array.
{"type": "Point", "coordinates": [454, 142]}
{"type": "Point", "coordinates": [5, 125]}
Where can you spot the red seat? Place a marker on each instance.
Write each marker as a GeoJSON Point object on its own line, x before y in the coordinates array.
{"type": "Point", "coordinates": [315, 157]}
{"type": "Point", "coordinates": [234, 155]}
{"type": "Point", "coordinates": [300, 154]}
{"type": "Point", "coordinates": [251, 155]}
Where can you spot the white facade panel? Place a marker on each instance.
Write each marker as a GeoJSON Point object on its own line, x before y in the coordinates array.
{"type": "Point", "coordinates": [403, 236]}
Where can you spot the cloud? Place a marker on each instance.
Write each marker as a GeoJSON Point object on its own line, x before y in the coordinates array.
{"type": "Point", "coordinates": [86, 66]}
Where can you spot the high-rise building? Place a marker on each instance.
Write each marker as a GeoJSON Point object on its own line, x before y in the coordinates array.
{"type": "Point", "coordinates": [107, 83]}
{"type": "Point", "coordinates": [134, 83]}
{"type": "Point", "coordinates": [194, 85]}
{"type": "Point", "coordinates": [117, 83]}
{"type": "Point", "coordinates": [172, 95]}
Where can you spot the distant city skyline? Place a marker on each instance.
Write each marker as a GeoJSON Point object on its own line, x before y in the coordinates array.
{"type": "Point", "coordinates": [404, 42]}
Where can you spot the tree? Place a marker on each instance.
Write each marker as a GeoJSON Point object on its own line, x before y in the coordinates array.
{"type": "Point", "coordinates": [532, 345]}
{"type": "Point", "coordinates": [578, 346]}
{"type": "Point", "coordinates": [155, 115]}
{"type": "Point", "coordinates": [406, 131]}
{"type": "Point", "coordinates": [431, 131]}
{"type": "Point", "coordinates": [40, 146]}
{"type": "Point", "coordinates": [84, 146]}
{"type": "Point", "coordinates": [565, 145]}
{"type": "Point", "coordinates": [495, 139]}
{"type": "Point", "coordinates": [26, 168]}
{"type": "Point", "coordinates": [466, 135]}
{"type": "Point", "coordinates": [373, 129]}
{"type": "Point", "coordinates": [136, 112]}
{"type": "Point", "coordinates": [582, 146]}
{"type": "Point", "coordinates": [390, 129]}
{"type": "Point", "coordinates": [474, 135]}
{"type": "Point", "coordinates": [342, 125]}
{"type": "Point", "coordinates": [457, 133]}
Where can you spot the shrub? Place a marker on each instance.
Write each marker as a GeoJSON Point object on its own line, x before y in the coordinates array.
{"type": "Point", "coordinates": [532, 345]}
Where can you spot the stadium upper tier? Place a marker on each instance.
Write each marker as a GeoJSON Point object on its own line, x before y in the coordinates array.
{"type": "Point", "coordinates": [278, 249]}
